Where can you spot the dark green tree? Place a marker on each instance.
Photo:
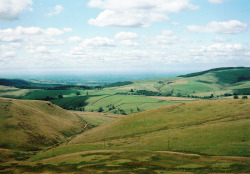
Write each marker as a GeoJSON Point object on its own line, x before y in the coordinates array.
{"type": "Point", "coordinates": [100, 109]}
{"type": "Point", "coordinates": [244, 97]}
{"type": "Point", "coordinates": [236, 97]}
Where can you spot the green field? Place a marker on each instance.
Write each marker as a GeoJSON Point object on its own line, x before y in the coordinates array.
{"type": "Point", "coordinates": [181, 125]}
{"type": "Point", "coordinates": [42, 94]}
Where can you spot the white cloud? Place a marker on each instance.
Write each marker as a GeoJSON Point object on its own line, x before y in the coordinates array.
{"type": "Point", "coordinates": [12, 9]}
{"type": "Point", "coordinates": [140, 13]}
{"type": "Point", "coordinates": [53, 31]}
{"type": "Point", "coordinates": [42, 50]}
{"type": "Point", "coordinates": [67, 29]}
{"type": "Point", "coordinates": [220, 39]}
{"type": "Point", "coordinates": [97, 42]}
{"type": "Point", "coordinates": [10, 46]}
{"type": "Point", "coordinates": [219, 47]}
{"type": "Point", "coordinates": [128, 43]}
{"type": "Point", "coordinates": [217, 1]}
{"type": "Point", "coordinates": [126, 35]}
{"type": "Point", "coordinates": [75, 39]}
{"type": "Point", "coordinates": [34, 34]}
{"type": "Point", "coordinates": [56, 10]}
{"type": "Point", "coordinates": [8, 54]}
{"type": "Point", "coordinates": [229, 27]}
{"type": "Point", "coordinates": [166, 37]}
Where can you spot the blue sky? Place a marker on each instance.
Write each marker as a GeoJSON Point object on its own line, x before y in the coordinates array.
{"type": "Point", "coordinates": [123, 36]}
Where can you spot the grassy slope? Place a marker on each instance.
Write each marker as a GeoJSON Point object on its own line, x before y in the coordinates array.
{"type": "Point", "coordinates": [140, 143]}
{"type": "Point", "coordinates": [216, 82]}
{"type": "Point", "coordinates": [129, 103]}
{"type": "Point", "coordinates": [34, 124]}
{"type": "Point", "coordinates": [207, 127]}
{"type": "Point", "coordinates": [95, 118]}
{"type": "Point", "coordinates": [12, 92]}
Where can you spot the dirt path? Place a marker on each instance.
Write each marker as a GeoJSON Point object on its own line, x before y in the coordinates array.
{"type": "Point", "coordinates": [71, 138]}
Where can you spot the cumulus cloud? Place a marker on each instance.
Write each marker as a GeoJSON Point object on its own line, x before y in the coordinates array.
{"type": "Point", "coordinates": [140, 13]}
{"type": "Point", "coordinates": [128, 43]}
{"type": "Point", "coordinates": [75, 39]}
{"type": "Point", "coordinates": [217, 1]}
{"type": "Point", "coordinates": [220, 39]}
{"type": "Point", "coordinates": [29, 34]}
{"type": "Point", "coordinates": [97, 42]}
{"type": "Point", "coordinates": [56, 10]}
{"type": "Point", "coordinates": [11, 46]}
{"type": "Point", "coordinates": [8, 54]}
{"type": "Point", "coordinates": [67, 29]}
{"type": "Point", "coordinates": [126, 35]}
{"type": "Point", "coordinates": [229, 27]}
{"type": "Point", "coordinates": [12, 9]}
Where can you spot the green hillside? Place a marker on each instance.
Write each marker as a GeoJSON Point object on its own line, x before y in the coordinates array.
{"type": "Point", "coordinates": [32, 125]}
{"type": "Point", "coordinates": [207, 127]}
{"type": "Point", "coordinates": [195, 137]}
{"type": "Point", "coordinates": [216, 81]}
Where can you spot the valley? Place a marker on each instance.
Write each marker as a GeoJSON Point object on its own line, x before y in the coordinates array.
{"type": "Point", "coordinates": [193, 123]}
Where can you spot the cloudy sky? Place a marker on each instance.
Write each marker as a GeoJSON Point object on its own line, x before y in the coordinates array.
{"type": "Point", "coordinates": [123, 35]}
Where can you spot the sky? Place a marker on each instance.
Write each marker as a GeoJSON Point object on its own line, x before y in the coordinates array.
{"type": "Point", "coordinates": [123, 35]}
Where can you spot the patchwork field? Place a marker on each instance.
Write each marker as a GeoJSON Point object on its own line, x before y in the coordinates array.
{"type": "Point", "coordinates": [195, 123]}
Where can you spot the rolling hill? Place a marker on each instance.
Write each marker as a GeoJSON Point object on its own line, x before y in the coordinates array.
{"type": "Point", "coordinates": [32, 125]}
{"type": "Point", "coordinates": [216, 81]}
{"type": "Point", "coordinates": [195, 137]}
{"type": "Point", "coordinates": [219, 127]}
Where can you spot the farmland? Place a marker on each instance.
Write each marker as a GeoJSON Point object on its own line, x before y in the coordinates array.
{"type": "Point", "coordinates": [182, 138]}
{"type": "Point", "coordinates": [195, 123]}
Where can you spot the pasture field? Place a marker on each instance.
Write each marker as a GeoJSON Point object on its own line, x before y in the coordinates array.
{"type": "Point", "coordinates": [71, 103]}
{"type": "Point", "coordinates": [52, 94]}
{"type": "Point", "coordinates": [12, 92]}
{"type": "Point", "coordinates": [128, 103]}
{"type": "Point", "coordinates": [96, 119]}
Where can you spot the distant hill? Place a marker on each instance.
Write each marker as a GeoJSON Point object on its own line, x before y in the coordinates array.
{"type": "Point", "coordinates": [211, 70]}
{"type": "Point", "coordinates": [31, 125]}
{"type": "Point", "coordinates": [219, 127]}
{"type": "Point", "coordinates": [24, 84]}
{"type": "Point", "coordinates": [218, 82]}
{"type": "Point", "coordinates": [14, 82]}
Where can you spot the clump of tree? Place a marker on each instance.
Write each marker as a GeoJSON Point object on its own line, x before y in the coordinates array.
{"type": "Point", "coordinates": [110, 107]}
{"type": "Point", "coordinates": [119, 84]}
{"type": "Point", "coordinates": [100, 109]}
{"type": "Point", "coordinates": [121, 111]}
{"type": "Point", "coordinates": [244, 97]}
{"type": "Point", "coordinates": [60, 96]}
{"type": "Point", "coordinates": [236, 96]}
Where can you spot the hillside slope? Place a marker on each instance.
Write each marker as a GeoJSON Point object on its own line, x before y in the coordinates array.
{"type": "Point", "coordinates": [216, 81]}
{"type": "Point", "coordinates": [207, 127]}
{"type": "Point", "coordinates": [30, 125]}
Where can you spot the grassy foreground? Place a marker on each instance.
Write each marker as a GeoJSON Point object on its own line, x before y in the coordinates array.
{"type": "Point", "coordinates": [195, 137]}
{"type": "Point", "coordinates": [32, 125]}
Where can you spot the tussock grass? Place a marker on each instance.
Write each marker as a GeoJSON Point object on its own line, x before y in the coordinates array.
{"type": "Point", "coordinates": [208, 127]}
{"type": "Point", "coordinates": [35, 124]}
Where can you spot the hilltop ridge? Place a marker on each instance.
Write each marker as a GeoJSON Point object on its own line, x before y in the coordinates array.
{"type": "Point", "coordinates": [31, 125]}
